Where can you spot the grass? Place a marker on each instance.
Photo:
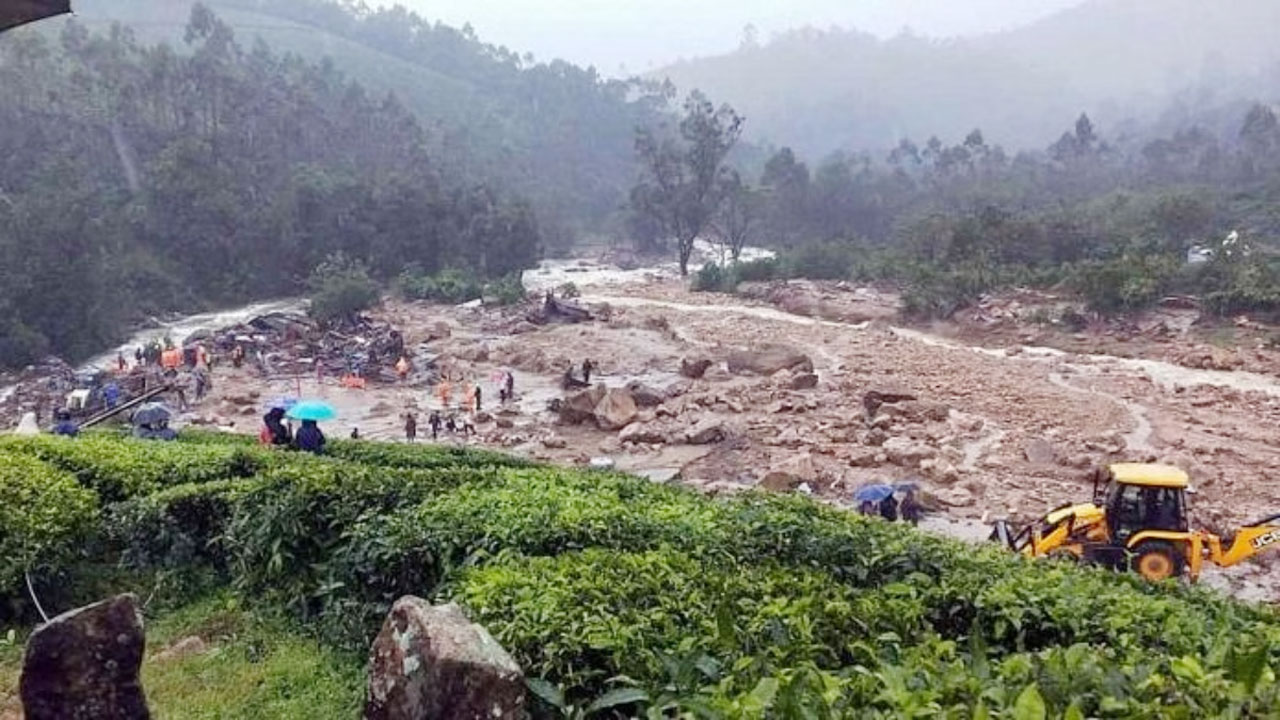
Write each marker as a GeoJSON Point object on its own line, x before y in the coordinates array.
{"type": "Point", "coordinates": [255, 666]}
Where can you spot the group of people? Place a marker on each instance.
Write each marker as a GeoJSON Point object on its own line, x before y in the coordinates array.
{"type": "Point", "coordinates": [277, 432]}
{"type": "Point", "coordinates": [450, 423]}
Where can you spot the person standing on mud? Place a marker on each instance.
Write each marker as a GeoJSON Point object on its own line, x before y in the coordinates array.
{"type": "Point", "coordinates": [477, 395]}
{"type": "Point", "coordinates": [587, 368]}
{"type": "Point", "coordinates": [435, 422]}
{"type": "Point", "coordinates": [410, 427]}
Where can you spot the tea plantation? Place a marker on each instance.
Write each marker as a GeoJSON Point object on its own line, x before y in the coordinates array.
{"type": "Point", "coordinates": [620, 597]}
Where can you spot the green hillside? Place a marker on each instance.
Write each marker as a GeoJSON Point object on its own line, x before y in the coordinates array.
{"type": "Point", "coordinates": [747, 607]}
{"type": "Point", "coordinates": [555, 133]}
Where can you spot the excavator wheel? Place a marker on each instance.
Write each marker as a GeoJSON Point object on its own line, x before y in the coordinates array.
{"type": "Point", "coordinates": [1156, 560]}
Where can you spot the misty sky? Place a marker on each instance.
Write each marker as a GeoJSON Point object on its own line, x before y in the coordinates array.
{"type": "Point", "coordinates": [642, 34]}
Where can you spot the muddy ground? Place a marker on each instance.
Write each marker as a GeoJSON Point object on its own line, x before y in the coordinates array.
{"type": "Point", "coordinates": [1010, 413]}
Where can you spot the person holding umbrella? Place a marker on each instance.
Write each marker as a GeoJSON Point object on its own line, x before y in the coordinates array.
{"type": "Point", "coordinates": [309, 438]}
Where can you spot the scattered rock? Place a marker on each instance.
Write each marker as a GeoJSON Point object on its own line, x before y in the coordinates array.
{"type": "Point", "coordinates": [432, 663]}
{"type": "Point", "coordinates": [915, 411]}
{"type": "Point", "coordinates": [790, 474]}
{"type": "Point", "coordinates": [642, 434]}
{"type": "Point", "coordinates": [904, 452]}
{"type": "Point", "coordinates": [615, 410]}
{"type": "Point", "coordinates": [580, 407]}
{"type": "Point", "coordinates": [439, 330]}
{"type": "Point", "coordinates": [717, 373]}
{"type": "Point", "coordinates": [769, 360]}
{"type": "Point", "coordinates": [876, 437]}
{"type": "Point", "coordinates": [694, 369]}
{"type": "Point", "coordinates": [84, 664]}
{"type": "Point", "coordinates": [873, 399]}
{"type": "Point", "coordinates": [184, 648]}
{"type": "Point", "coordinates": [1040, 452]}
{"type": "Point", "coordinates": [864, 459]}
{"type": "Point", "coordinates": [504, 422]}
{"type": "Point", "coordinates": [646, 396]}
{"type": "Point", "coordinates": [804, 381]}
{"type": "Point", "coordinates": [706, 432]}
{"type": "Point", "coordinates": [554, 442]}
{"type": "Point", "coordinates": [483, 417]}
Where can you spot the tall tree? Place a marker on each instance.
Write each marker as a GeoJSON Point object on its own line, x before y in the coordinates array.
{"type": "Point", "coordinates": [685, 175]}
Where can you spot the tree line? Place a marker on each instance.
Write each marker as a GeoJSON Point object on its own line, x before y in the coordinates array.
{"type": "Point", "coordinates": [1113, 219]}
{"type": "Point", "coordinates": [142, 179]}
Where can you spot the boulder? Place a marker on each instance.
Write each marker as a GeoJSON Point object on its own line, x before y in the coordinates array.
{"type": "Point", "coordinates": [84, 664]}
{"type": "Point", "coordinates": [876, 437]}
{"type": "Point", "coordinates": [902, 451]}
{"type": "Point", "coordinates": [873, 399]}
{"type": "Point", "coordinates": [916, 411]}
{"type": "Point", "coordinates": [438, 330]}
{"type": "Point", "coordinates": [706, 432]}
{"type": "Point", "coordinates": [790, 474]}
{"type": "Point", "coordinates": [615, 410]}
{"type": "Point", "coordinates": [717, 373]}
{"type": "Point", "coordinates": [646, 396]}
{"type": "Point", "coordinates": [504, 422]}
{"type": "Point", "coordinates": [768, 360]}
{"type": "Point", "coordinates": [432, 663]}
{"type": "Point", "coordinates": [580, 407]}
{"type": "Point", "coordinates": [642, 434]}
{"type": "Point", "coordinates": [803, 381]}
{"type": "Point", "coordinates": [1040, 452]}
{"type": "Point", "coordinates": [554, 442]}
{"type": "Point", "coordinates": [694, 369]}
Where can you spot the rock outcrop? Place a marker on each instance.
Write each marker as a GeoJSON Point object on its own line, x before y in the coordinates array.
{"type": "Point", "coordinates": [83, 665]}
{"type": "Point", "coordinates": [580, 407]}
{"type": "Point", "coordinates": [432, 663]}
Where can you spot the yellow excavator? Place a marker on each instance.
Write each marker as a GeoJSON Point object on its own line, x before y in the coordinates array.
{"type": "Point", "coordinates": [1137, 520]}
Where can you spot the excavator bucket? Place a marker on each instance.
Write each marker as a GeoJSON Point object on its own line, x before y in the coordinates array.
{"type": "Point", "coordinates": [20, 12]}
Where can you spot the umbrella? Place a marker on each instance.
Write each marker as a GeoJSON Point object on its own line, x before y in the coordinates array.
{"type": "Point", "coordinates": [312, 410]}
{"type": "Point", "coordinates": [150, 414]}
{"type": "Point", "coordinates": [20, 12]}
{"type": "Point", "coordinates": [873, 493]}
{"type": "Point", "coordinates": [284, 402]}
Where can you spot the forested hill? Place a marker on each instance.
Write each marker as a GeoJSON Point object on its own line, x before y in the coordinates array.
{"type": "Point", "coordinates": [138, 178]}
{"type": "Point", "coordinates": [1125, 62]}
{"type": "Point", "coordinates": [555, 133]}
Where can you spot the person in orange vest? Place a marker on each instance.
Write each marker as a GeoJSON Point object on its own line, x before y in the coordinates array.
{"type": "Point", "coordinates": [444, 391]}
{"type": "Point", "coordinates": [468, 397]}
{"type": "Point", "coordinates": [402, 368]}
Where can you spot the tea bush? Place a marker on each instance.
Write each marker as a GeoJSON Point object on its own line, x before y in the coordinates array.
{"type": "Point", "coordinates": [44, 517]}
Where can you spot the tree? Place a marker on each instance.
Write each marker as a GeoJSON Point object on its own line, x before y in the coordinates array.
{"type": "Point", "coordinates": [684, 177]}
{"type": "Point", "coordinates": [739, 216]}
{"type": "Point", "coordinates": [341, 289]}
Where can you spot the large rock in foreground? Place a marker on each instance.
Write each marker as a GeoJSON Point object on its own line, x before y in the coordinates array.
{"type": "Point", "coordinates": [432, 663]}
{"type": "Point", "coordinates": [616, 410]}
{"type": "Point", "coordinates": [83, 665]}
{"type": "Point", "coordinates": [768, 360]}
{"type": "Point", "coordinates": [580, 407]}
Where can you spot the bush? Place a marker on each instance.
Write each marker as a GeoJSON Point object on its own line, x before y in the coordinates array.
{"type": "Point", "coordinates": [761, 270]}
{"type": "Point", "coordinates": [419, 456]}
{"type": "Point", "coordinates": [832, 260]}
{"type": "Point", "coordinates": [713, 278]}
{"type": "Point", "coordinates": [178, 527]}
{"type": "Point", "coordinates": [508, 290]}
{"type": "Point", "coordinates": [447, 286]}
{"type": "Point", "coordinates": [341, 288]}
{"type": "Point", "coordinates": [44, 517]}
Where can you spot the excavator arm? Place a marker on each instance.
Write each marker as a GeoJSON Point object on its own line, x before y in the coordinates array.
{"type": "Point", "coordinates": [1250, 540]}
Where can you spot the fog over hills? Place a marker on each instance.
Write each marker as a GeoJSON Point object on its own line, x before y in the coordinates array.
{"type": "Point", "coordinates": [1128, 63]}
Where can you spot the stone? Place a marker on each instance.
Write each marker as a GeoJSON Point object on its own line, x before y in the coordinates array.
{"type": "Point", "coordinates": [504, 422]}
{"type": "Point", "coordinates": [694, 369]}
{"type": "Point", "coordinates": [804, 381]}
{"type": "Point", "coordinates": [904, 452]}
{"type": "Point", "coordinates": [876, 437]}
{"type": "Point", "coordinates": [580, 407]}
{"type": "Point", "coordinates": [439, 330]}
{"type": "Point", "coordinates": [864, 459]}
{"type": "Point", "coordinates": [716, 373]}
{"type": "Point", "coordinates": [790, 474]}
{"type": "Point", "coordinates": [482, 417]}
{"type": "Point", "coordinates": [646, 396]}
{"type": "Point", "coordinates": [184, 648]}
{"type": "Point", "coordinates": [432, 663]}
{"type": "Point", "coordinates": [83, 665]}
{"type": "Point", "coordinates": [706, 432]}
{"type": "Point", "coordinates": [873, 399]}
{"type": "Point", "coordinates": [768, 360]}
{"type": "Point", "coordinates": [554, 442]}
{"type": "Point", "coordinates": [1040, 452]}
{"type": "Point", "coordinates": [915, 411]}
{"type": "Point", "coordinates": [615, 410]}
{"type": "Point", "coordinates": [643, 434]}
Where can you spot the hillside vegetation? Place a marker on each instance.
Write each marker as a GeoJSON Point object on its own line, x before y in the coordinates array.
{"type": "Point", "coordinates": [624, 598]}
{"type": "Point", "coordinates": [137, 179]}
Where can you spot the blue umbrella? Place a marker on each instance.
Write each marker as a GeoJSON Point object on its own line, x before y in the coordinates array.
{"type": "Point", "coordinates": [312, 410]}
{"type": "Point", "coordinates": [284, 402]}
{"type": "Point", "coordinates": [873, 493]}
